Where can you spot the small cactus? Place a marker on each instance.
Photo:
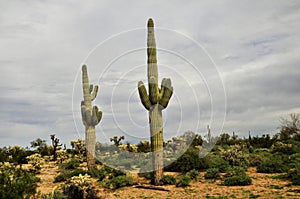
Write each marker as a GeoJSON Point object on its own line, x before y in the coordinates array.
{"type": "Point", "coordinates": [91, 116]}
{"type": "Point", "coordinates": [155, 102]}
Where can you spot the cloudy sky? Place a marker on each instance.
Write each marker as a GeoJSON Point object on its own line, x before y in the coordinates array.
{"type": "Point", "coordinates": [234, 65]}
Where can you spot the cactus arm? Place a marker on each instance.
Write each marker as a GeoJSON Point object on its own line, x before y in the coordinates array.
{"type": "Point", "coordinates": [166, 94]}
{"type": "Point", "coordinates": [96, 116]}
{"type": "Point", "coordinates": [143, 95]}
{"type": "Point", "coordinates": [94, 93]}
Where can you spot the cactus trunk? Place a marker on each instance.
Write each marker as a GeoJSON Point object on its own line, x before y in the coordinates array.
{"type": "Point", "coordinates": [90, 140]}
{"type": "Point", "coordinates": [91, 116]}
{"type": "Point", "coordinates": [155, 102]}
{"type": "Point", "coordinates": [156, 132]}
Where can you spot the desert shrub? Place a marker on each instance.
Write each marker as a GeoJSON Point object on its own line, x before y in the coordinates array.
{"type": "Point", "coordinates": [272, 165]}
{"type": "Point", "coordinates": [168, 179]}
{"type": "Point", "coordinates": [18, 154]}
{"type": "Point", "coordinates": [188, 161]}
{"type": "Point", "coordinates": [294, 160]}
{"type": "Point", "coordinates": [55, 195]}
{"type": "Point", "coordinates": [77, 172]}
{"type": "Point", "coordinates": [212, 173]}
{"type": "Point", "coordinates": [16, 182]}
{"type": "Point", "coordinates": [216, 161]}
{"type": "Point", "coordinates": [236, 176]}
{"type": "Point", "coordinates": [60, 178]}
{"type": "Point", "coordinates": [282, 147]}
{"type": "Point", "coordinates": [193, 174]}
{"type": "Point", "coordinates": [183, 181]}
{"type": "Point", "coordinates": [118, 181]}
{"type": "Point", "coordinates": [294, 175]}
{"type": "Point", "coordinates": [237, 180]}
{"type": "Point", "coordinates": [66, 174]}
{"type": "Point", "coordinates": [235, 171]}
{"type": "Point", "coordinates": [97, 173]}
{"type": "Point", "coordinates": [71, 164]}
{"type": "Point", "coordinates": [255, 160]}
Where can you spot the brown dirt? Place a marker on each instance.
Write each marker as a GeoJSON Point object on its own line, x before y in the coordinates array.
{"type": "Point", "coordinates": [263, 186]}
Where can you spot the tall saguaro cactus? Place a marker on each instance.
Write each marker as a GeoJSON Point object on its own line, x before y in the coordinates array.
{"type": "Point", "coordinates": [91, 116]}
{"type": "Point", "coordinates": [155, 102]}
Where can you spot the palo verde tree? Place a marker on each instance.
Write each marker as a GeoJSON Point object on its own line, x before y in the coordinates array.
{"type": "Point", "coordinates": [91, 116]}
{"type": "Point", "coordinates": [155, 102]}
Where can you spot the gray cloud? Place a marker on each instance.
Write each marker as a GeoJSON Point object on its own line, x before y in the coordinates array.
{"type": "Point", "coordinates": [255, 46]}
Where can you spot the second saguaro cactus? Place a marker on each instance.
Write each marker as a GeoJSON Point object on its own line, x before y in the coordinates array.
{"type": "Point", "coordinates": [91, 116]}
{"type": "Point", "coordinates": [155, 102]}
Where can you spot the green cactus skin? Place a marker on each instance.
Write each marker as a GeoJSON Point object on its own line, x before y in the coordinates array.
{"type": "Point", "coordinates": [155, 102]}
{"type": "Point", "coordinates": [91, 116]}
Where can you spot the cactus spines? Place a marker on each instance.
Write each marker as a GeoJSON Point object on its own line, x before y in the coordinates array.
{"type": "Point", "coordinates": [155, 102]}
{"type": "Point", "coordinates": [91, 116]}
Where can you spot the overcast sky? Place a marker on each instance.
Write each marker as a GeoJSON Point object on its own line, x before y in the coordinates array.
{"type": "Point", "coordinates": [234, 65]}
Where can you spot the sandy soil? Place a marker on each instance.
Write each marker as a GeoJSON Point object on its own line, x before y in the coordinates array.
{"type": "Point", "coordinates": [263, 186]}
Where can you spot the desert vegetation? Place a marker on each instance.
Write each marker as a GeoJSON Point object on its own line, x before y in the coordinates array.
{"type": "Point", "coordinates": [233, 162]}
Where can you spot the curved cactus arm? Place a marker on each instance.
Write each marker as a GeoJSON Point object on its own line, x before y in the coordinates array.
{"type": "Point", "coordinates": [96, 116]}
{"type": "Point", "coordinates": [143, 95]}
{"type": "Point", "coordinates": [91, 88]}
{"type": "Point", "coordinates": [167, 91]}
{"type": "Point", "coordinates": [94, 93]}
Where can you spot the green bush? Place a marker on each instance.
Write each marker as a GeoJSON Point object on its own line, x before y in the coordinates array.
{"type": "Point", "coordinates": [17, 183]}
{"type": "Point", "coordinates": [188, 161]}
{"type": "Point", "coordinates": [212, 173]}
{"type": "Point", "coordinates": [272, 165]}
{"type": "Point", "coordinates": [239, 180]}
{"type": "Point", "coordinates": [255, 160]}
{"type": "Point", "coordinates": [294, 175]}
{"type": "Point", "coordinates": [65, 174]}
{"type": "Point", "coordinates": [216, 161]}
{"type": "Point", "coordinates": [168, 179]}
{"type": "Point", "coordinates": [72, 164]}
{"type": "Point", "coordinates": [97, 173]}
{"type": "Point", "coordinates": [193, 174]}
{"type": "Point", "coordinates": [60, 178]}
{"type": "Point", "coordinates": [183, 181]}
{"type": "Point", "coordinates": [235, 171]}
{"type": "Point", "coordinates": [119, 181]}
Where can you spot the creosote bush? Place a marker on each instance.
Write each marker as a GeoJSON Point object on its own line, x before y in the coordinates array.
{"type": "Point", "coordinates": [236, 176]}
{"type": "Point", "coordinates": [193, 174]}
{"type": "Point", "coordinates": [272, 165]}
{"type": "Point", "coordinates": [239, 180]}
{"type": "Point", "coordinates": [212, 173]}
{"type": "Point", "coordinates": [169, 180]}
{"type": "Point", "coordinates": [183, 181]}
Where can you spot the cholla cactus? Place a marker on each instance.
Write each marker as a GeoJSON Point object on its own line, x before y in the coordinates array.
{"type": "Point", "coordinates": [82, 182]}
{"type": "Point", "coordinates": [155, 102]}
{"type": "Point", "coordinates": [61, 155]}
{"type": "Point", "coordinates": [282, 147]}
{"type": "Point", "coordinates": [235, 156]}
{"type": "Point", "coordinates": [128, 147]}
{"type": "Point", "coordinates": [78, 148]}
{"type": "Point", "coordinates": [91, 116]}
{"type": "Point", "coordinates": [36, 162]}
